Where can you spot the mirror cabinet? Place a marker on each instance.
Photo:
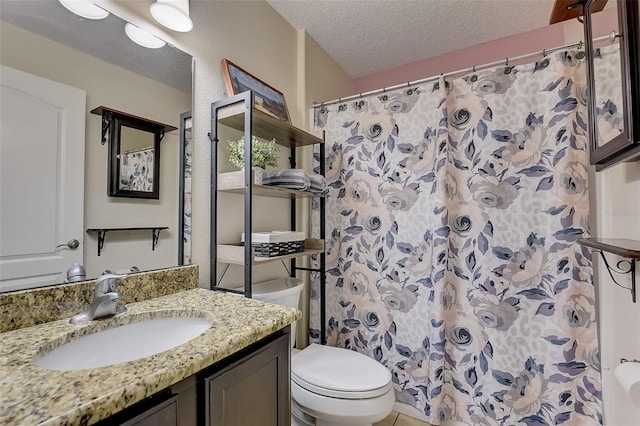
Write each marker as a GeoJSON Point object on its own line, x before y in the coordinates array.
{"type": "Point", "coordinates": [613, 77]}
{"type": "Point", "coordinates": [134, 153]}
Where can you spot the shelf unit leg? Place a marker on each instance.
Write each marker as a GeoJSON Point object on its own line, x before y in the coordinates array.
{"type": "Point", "coordinates": [323, 276]}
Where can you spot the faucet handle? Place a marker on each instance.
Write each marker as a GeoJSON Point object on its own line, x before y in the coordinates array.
{"type": "Point", "coordinates": [107, 282]}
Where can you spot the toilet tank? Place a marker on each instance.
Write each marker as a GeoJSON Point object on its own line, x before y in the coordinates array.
{"type": "Point", "coordinates": [281, 291]}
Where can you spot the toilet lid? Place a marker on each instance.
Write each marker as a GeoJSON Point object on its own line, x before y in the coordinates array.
{"type": "Point", "coordinates": [339, 373]}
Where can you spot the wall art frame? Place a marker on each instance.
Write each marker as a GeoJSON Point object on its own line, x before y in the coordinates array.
{"type": "Point", "coordinates": [267, 98]}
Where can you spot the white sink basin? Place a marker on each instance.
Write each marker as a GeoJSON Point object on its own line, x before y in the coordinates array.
{"type": "Point", "coordinates": [125, 343]}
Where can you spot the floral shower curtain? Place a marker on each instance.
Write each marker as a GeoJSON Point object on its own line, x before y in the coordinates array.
{"type": "Point", "coordinates": [452, 223]}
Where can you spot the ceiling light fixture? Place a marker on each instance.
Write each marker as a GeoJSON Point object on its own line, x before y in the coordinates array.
{"type": "Point", "coordinates": [173, 14]}
{"type": "Point", "coordinates": [142, 37]}
{"type": "Point", "coordinates": [84, 8]}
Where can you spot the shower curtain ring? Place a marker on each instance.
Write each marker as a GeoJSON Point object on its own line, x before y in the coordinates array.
{"type": "Point", "coordinates": [544, 53]}
{"type": "Point", "coordinates": [474, 69]}
{"type": "Point", "coordinates": [507, 62]}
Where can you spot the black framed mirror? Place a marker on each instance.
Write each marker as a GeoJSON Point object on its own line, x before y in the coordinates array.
{"type": "Point", "coordinates": [613, 77]}
{"type": "Point", "coordinates": [134, 153]}
{"type": "Point", "coordinates": [184, 189]}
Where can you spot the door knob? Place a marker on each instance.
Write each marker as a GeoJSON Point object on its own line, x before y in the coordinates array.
{"type": "Point", "coordinates": [72, 244]}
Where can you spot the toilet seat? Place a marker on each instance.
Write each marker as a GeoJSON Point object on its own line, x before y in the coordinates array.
{"type": "Point", "coordinates": [339, 373]}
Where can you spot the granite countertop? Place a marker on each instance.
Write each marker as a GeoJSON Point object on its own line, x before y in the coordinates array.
{"type": "Point", "coordinates": [33, 395]}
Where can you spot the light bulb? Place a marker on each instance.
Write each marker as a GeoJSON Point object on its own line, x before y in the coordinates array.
{"type": "Point", "coordinates": [173, 14]}
{"type": "Point", "coordinates": [84, 8]}
{"type": "Point", "coordinates": [142, 37]}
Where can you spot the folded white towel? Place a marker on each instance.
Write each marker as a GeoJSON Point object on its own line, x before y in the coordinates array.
{"type": "Point", "coordinates": [318, 184]}
{"type": "Point", "coordinates": [287, 178]}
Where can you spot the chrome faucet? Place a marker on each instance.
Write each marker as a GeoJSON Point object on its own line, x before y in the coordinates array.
{"type": "Point", "coordinates": [105, 300]}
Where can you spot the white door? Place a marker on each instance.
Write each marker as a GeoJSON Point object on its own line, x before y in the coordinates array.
{"type": "Point", "coordinates": [41, 179]}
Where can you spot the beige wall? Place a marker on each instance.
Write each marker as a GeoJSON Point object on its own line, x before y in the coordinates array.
{"type": "Point", "coordinates": [326, 80]}
{"type": "Point", "coordinates": [130, 94]}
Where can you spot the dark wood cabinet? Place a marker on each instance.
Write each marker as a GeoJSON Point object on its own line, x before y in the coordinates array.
{"type": "Point", "coordinates": [614, 114]}
{"type": "Point", "coordinates": [163, 414]}
{"type": "Point", "coordinates": [253, 390]}
{"type": "Point", "coordinates": [161, 409]}
{"type": "Point", "coordinates": [248, 388]}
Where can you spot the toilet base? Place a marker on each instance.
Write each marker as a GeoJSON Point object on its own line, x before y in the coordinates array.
{"type": "Point", "coordinates": [309, 409]}
{"type": "Point", "coordinates": [298, 422]}
{"type": "Point", "coordinates": [323, 423]}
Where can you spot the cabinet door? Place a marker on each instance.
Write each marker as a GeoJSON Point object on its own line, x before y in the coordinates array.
{"type": "Point", "coordinates": [614, 85]}
{"type": "Point", "coordinates": [164, 414]}
{"type": "Point", "coordinates": [252, 391]}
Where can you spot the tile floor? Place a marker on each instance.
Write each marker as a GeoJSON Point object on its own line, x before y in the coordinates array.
{"type": "Point", "coordinates": [395, 419]}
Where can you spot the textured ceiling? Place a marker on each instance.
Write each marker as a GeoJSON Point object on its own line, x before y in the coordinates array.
{"type": "Point", "coordinates": [369, 36]}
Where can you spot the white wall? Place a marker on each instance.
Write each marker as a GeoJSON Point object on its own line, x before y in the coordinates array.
{"type": "Point", "coordinates": [618, 216]}
{"type": "Point", "coordinates": [615, 213]}
{"type": "Point", "coordinates": [123, 90]}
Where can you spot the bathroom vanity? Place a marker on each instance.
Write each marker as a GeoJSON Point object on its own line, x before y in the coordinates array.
{"type": "Point", "coordinates": [250, 387]}
{"type": "Point", "coordinates": [233, 373]}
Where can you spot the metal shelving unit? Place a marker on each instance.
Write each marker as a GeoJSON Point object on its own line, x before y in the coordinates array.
{"type": "Point", "coordinates": [239, 112]}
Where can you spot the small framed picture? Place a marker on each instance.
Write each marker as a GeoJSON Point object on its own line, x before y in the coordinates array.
{"type": "Point", "coordinates": [267, 98]}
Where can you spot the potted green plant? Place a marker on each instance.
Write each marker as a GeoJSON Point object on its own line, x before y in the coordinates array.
{"type": "Point", "coordinates": [264, 153]}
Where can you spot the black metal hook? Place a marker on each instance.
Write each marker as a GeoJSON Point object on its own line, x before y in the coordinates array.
{"type": "Point", "coordinates": [580, 6]}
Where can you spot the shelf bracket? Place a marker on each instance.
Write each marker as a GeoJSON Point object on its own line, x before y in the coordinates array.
{"type": "Point", "coordinates": [285, 267]}
{"type": "Point", "coordinates": [107, 116]}
{"type": "Point", "coordinates": [101, 234]}
{"type": "Point", "coordinates": [623, 267]}
{"type": "Point", "coordinates": [154, 238]}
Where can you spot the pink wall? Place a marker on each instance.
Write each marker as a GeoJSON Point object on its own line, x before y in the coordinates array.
{"type": "Point", "coordinates": [479, 54]}
{"type": "Point", "coordinates": [516, 45]}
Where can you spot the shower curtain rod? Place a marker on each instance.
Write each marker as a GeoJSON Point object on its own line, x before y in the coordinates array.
{"type": "Point", "coordinates": [611, 37]}
{"type": "Point", "coordinates": [133, 151]}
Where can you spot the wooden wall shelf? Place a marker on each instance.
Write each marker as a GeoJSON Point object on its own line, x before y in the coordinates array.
{"type": "Point", "coordinates": [108, 114]}
{"type": "Point", "coordinates": [629, 249]}
{"type": "Point", "coordinates": [103, 109]}
{"type": "Point", "coordinates": [560, 11]}
{"type": "Point", "coordinates": [102, 232]}
{"type": "Point", "coordinates": [622, 247]}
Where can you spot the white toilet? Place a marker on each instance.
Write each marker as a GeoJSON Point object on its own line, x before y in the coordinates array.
{"type": "Point", "coordinates": [330, 386]}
